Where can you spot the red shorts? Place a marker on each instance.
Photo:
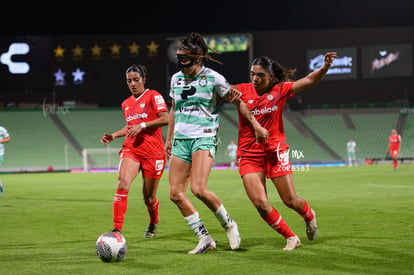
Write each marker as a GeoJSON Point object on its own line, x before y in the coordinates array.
{"type": "Point", "coordinates": [274, 164]}
{"type": "Point", "coordinates": [151, 167]}
{"type": "Point", "coordinates": [394, 153]}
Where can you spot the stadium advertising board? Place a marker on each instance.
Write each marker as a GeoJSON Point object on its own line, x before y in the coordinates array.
{"type": "Point", "coordinates": [24, 64]}
{"type": "Point", "coordinates": [82, 69]}
{"type": "Point", "coordinates": [343, 67]}
{"type": "Point", "coordinates": [387, 61]}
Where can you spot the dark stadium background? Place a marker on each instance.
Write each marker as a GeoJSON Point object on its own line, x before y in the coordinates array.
{"type": "Point", "coordinates": [283, 30]}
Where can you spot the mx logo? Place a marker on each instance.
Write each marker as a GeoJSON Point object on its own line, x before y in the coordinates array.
{"type": "Point", "coordinates": [16, 67]}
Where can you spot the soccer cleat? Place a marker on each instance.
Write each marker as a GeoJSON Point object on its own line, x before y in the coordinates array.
{"type": "Point", "coordinates": [151, 230]}
{"type": "Point", "coordinates": [234, 236]}
{"type": "Point", "coordinates": [116, 230]}
{"type": "Point", "coordinates": [292, 243]}
{"type": "Point", "coordinates": [312, 227]}
{"type": "Point", "coordinates": [204, 245]}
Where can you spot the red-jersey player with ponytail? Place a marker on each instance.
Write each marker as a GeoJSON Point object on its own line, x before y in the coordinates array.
{"type": "Point", "coordinates": [266, 95]}
{"type": "Point", "coordinates": [145, 112]}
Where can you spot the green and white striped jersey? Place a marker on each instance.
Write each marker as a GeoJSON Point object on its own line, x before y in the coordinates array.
{"type": "Point", "coordinates": [195, 111]}
{"type": "Point", "coordinates": [3, 134]}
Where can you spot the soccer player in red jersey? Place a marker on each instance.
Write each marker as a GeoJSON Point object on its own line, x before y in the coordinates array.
{"type": "Point", "coordinates": [394, 142]}
{"type": "Point", "coordinates": [270, 87]}
{"type": "Point", "coordinates": [145, 112]}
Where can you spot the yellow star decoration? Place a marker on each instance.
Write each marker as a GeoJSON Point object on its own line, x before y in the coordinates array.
{"type": "Point", "coordinates": [152, 49]}
{"type": "Point", "coordinates": [115, 49]}
{"type": "Point", "coordinates": [133, 48]}
{"type": "Point", "coordinates": [96, 50]}
{"type": "Point", "coordinates": [59, 52]}
{"type": "Point", "coordinates": [77, 51]}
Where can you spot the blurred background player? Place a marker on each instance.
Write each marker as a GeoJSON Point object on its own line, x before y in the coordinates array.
{"type": "Point", "coordinates": [231, 153]}
{"type": "Point", "coordinates": [266, 95]}
{"type": "Point", "coordinates": [394, 145]}
{"type": "Point", "coordinates": [351, 151]}
{"type": "Point", "coordinates": [145, 112]}
{"type": "Point", "coordinates": [4, 138]}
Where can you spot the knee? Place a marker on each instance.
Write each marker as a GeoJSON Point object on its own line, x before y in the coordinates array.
{"type": "Point", "coordinates": [176, 197]}
{"type": "Point", "coordinates": [198, 189]}
{"type": "Point", "coordinates": [123, 183]}
{"type": "Point", "coordinates": [149, 200]}
{"type": "Point", "coordinates": [261, 204]}
{"type": "Point", "coordinates": [291, 202]}
{"type": "Point", "coordinates": [199, 192]}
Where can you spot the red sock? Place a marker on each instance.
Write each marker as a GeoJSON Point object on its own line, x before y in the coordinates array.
{"type": "Point", "coordinates": [306, 213]}
{"type": "Point", "coordinates": [153, 212]}
{"type": "Point", "coordinates": [275, 220]}
{"type": "Point", "coordinates": [119, 208]}
{"type": "Point", "coordinates": [395, 164]}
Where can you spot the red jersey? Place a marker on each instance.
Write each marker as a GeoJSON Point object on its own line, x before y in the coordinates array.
{"type": "Point", "coordinates": [267, 110]}
{"type": "Point", "coordinates": [148, 143]}
{"type": "Point", "coordinates": [394, 141]}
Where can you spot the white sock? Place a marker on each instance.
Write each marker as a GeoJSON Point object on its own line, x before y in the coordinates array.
{"type": "Point", "coordinates": [223, 217]}
{"type": "Point", "coordinates": [197, 225]}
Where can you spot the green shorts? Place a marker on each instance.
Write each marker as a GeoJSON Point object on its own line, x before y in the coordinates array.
{"type": "Point", "coordinates": [184, 148]}
{"type": "Point", "coordinates": [351, 154]}
{"type": "Point", "coordinates": [232, 156]}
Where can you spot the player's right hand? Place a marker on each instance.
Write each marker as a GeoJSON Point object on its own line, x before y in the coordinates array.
{"type": "Point", "coordinates": [107, 138]}
{"type": "Point", "coordinates": [167, 148]}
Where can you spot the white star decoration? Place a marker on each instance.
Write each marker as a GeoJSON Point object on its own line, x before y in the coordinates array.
{"type": "Point", "coordinates": [59, 77]}
{"type": "Point", "coordinates": [78, 76]}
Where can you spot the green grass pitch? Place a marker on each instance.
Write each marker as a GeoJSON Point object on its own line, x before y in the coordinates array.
{"type": "Point", "coordinates": [50, 222]}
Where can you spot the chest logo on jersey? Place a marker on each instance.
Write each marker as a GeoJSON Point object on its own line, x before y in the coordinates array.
{"type": "Point", "coordinates": [270, 97]}
{"type": "Point", "coordinates": [264, 110]}
{"type": "Point", "coordinates": [142, 105]}
{"type": "Point", "coordinates": [186, 91]}
{"type": "Point", "coordinates": [203, 81]}
{"type": "Point", "coordinates": [136, 116]}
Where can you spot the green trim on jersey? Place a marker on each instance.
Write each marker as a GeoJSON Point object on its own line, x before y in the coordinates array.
{"type": "Point", "coordinates": [195, 110]}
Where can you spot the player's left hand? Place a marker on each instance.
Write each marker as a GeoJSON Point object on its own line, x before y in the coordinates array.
{"type": "Point", "coordinates": [262, 134]}
{"type": "Point", "coordinates": [133, 130]}
{"type": "Point", "coordinates": [329, 57]}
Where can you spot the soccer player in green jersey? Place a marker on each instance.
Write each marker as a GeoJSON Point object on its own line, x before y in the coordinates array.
{"type": "Point", "coordinates": [192, 138]}
{"type": "Point", "coordinates": [231, 153]}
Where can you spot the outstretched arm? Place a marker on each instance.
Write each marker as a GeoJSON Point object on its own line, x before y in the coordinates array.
{"type": "Point", "coordinates": [5, 140]}
{"type": "Point", "coordinates": [107, 138]}
{"type": "Point", "coordinates": [315, 76]}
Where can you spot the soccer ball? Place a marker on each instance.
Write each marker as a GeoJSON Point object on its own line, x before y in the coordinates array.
{"type": "Point", "coordinates": [111, 247]}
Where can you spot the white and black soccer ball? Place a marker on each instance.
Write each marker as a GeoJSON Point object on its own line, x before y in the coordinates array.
{"type": "Point", "coordinates": [111, 247]}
